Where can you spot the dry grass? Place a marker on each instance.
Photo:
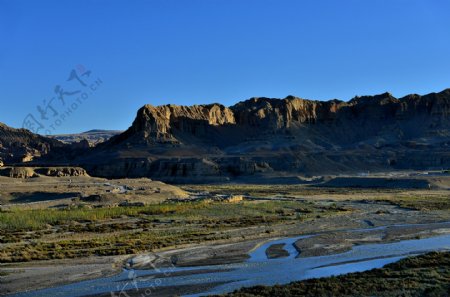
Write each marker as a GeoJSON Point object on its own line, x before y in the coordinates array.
{"type": "Point", "coordinates": [51, 233]}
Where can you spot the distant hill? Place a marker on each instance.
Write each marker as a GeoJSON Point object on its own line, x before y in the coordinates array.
{"type": "Point", "coordinates": [20, 145]}
{"type": "Point", "coordinates": [94, 136]}
{"type": "Point", "coordinates": [266, 136]}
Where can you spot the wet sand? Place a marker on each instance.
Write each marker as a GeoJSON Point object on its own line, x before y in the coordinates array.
{"type": "Point", "coordinates": [276, 251]}
{"type": "Point", "coordinates": [44, 274]}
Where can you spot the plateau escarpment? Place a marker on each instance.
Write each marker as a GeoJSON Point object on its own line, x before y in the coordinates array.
{"type": "Point", "coordinates": [158, 124]}
{"type": "Point", "coordinates": [266, 136]}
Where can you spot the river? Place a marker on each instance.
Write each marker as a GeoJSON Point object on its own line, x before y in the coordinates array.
{"type": "Point", "coordinates": [258, 270]}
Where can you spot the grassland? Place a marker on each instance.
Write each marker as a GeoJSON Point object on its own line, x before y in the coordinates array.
{"type": "Point", "coordinates": [426, 275]}
{"type": "Point", "coordinates": [296, 190]}
{"type": "Point", "coordinates": [42, 234]}
{"type": "Point", "coordinates": [68, 231]}
{"type": "Point", "coordinates": [407, 198]}
{"type": "Point", "coordinates": [420, 201]}
{"type": "Point", "coordinates": [83, 230]}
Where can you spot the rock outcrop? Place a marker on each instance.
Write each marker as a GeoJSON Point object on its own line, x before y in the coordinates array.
{"type": "Point", "coordinates": [18, 172]}
{"type": "Point", "coordinates": [263, 136]}
{"type": "Point", "coordinates": [61, 171]}
{"type": "Point", "coordinates": [20, 145]}
{"type": "Point", "coordinates": [160, 124]}
{"type": "Point", "coordinates": [259, 136]}
{"type": "Point", "coordinates": [29, 172]}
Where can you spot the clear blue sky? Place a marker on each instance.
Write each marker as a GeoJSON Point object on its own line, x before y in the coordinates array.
{"type": "Point", "coordinates": [192, 52]}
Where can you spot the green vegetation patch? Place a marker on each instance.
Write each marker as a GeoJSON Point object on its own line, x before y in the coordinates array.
{"type": "Point", "coordinates": [80, 232]}
{"type": "Point", "coordinates": [423, 202]}
{"type": "Point", "coordinates": [269, 190]}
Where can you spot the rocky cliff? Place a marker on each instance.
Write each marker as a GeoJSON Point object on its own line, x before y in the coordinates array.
{"type": "Point", "coordinates": [20, 145]}
{"type": "Point", "coordinates": [158, 124]}
{"type": "Point", "coordinates": [258, 137]}
{"type": "Point", "coordinates": [29, 172]}
{"type": "Point", "coordinates": [275, 136]}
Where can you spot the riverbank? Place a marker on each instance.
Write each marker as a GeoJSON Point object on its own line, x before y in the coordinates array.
{"type": "Point", "coordinates": [425, 275]}
{"type": "Point", "coordinates": [198, 234]}
{"type": "Point", "coordinates": [259, 269]}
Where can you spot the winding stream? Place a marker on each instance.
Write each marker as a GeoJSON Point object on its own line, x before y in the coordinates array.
{"type": "Point", "coordinates": [257, 270]}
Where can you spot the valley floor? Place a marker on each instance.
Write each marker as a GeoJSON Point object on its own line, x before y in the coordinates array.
{"type": "Point", "coordinates": [49, 245]}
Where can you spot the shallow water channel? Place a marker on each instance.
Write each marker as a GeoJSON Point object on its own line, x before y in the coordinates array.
{"type": "Point", "coordinates": [258, 270]}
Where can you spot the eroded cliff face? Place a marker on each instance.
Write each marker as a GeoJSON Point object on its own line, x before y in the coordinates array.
{"type": "Point", "coordinates": [29, 172]}
{"type": "Point", "coordinates": [266, 136]}
{"type": "Point", "coordinates": [20, 145]}
{"type": "Point", "coordinates": [339, 122]}
{"type": "Point", "coordinates": [277, 114]}
{"type": "Point", "coordinates": [159, 124]}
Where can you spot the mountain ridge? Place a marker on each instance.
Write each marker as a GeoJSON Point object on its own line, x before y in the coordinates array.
{"type": "Point", "coordinates": [277, 136]}
{"type": "Point", "coordinates": [256, 137]}
{"type": "Point", "coordinates": [87, 138]}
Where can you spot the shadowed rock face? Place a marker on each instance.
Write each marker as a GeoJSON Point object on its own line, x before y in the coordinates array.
{"type": "Point", "coordinates": [356, 120]}
{"type": "Point", "coordinates": [259, 136]}
{"type": "Point", "coordinates": [20, 145]}
{"type": "Point", "coordinates": [29, 172]}
{"type": "Point", "coordinates": [275, 136]}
